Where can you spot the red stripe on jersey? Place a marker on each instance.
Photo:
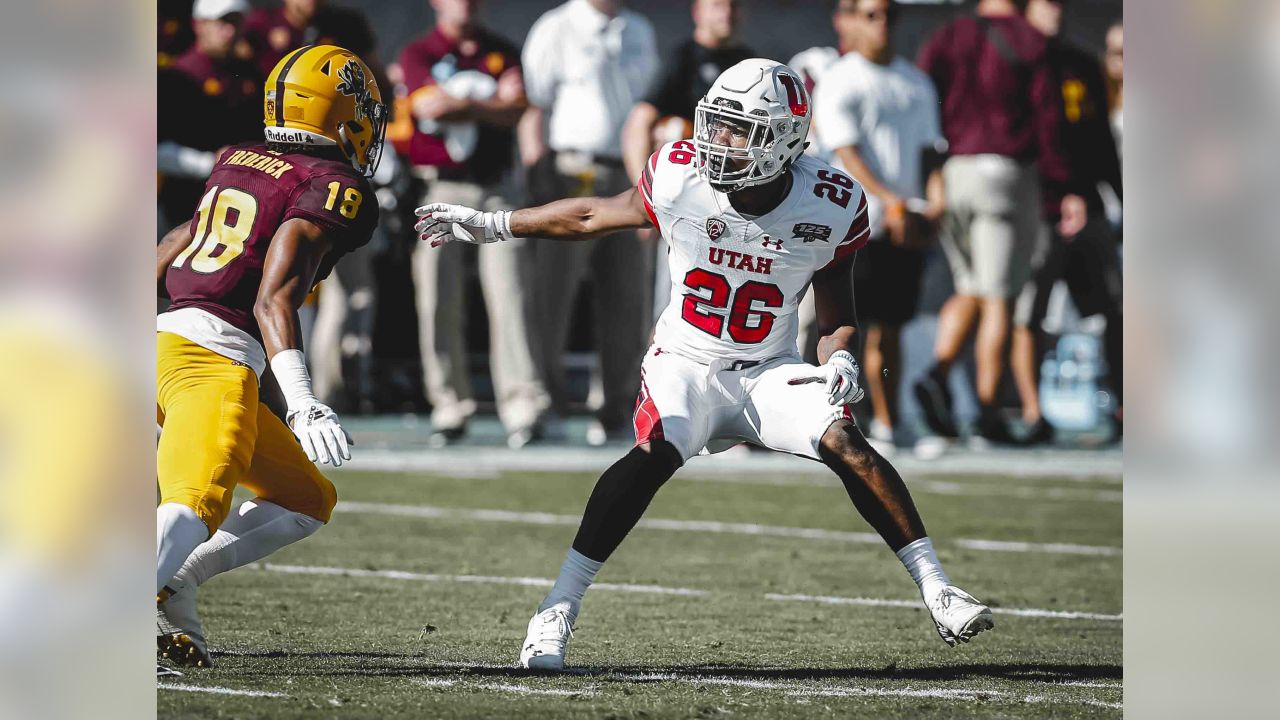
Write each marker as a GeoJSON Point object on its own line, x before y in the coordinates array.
{"type": "Point", "coordinates": [653, 160]}
{"type": "Point", "coordinates": [860, 229]}
{"type": "Point", "coordinates": [843, 252]}
{"type": "Point", "coordinates": [858, 235]}
{"type": "Point", "coordinates": [647, 421]}
{"type": "Point", "coordinates": [861, 221]}
{"type": "Point", "coordinates": [645, 187]}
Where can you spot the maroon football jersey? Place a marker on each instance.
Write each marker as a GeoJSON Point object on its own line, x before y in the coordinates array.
{"type": "Point", "coordinates": [251, 192]}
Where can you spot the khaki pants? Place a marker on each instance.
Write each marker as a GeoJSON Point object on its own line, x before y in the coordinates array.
{"type": "Point", "coordinates": [992, 225]}
{"type": "Point", "coordinates": [620, 270]}
{"type": "Point", "coordinates": [439, 285]}
{"type": "Point", "coordinates": [341, 347]}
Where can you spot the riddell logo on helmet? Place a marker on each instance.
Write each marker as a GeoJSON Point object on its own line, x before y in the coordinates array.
{"type": "Point", "coordinates": [290, 137]}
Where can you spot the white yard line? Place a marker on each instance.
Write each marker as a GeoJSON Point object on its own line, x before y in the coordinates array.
{"type": "Point", "coordinates": [217, 690]}
{"type": "Point", "coordinates": [1088, 684]}
{"type": "Point", "coordinates": [1051, 548]}
{"type": "Point", "coordinates": [917, 605]}
{"type": "Point", "coordinates": [651, 589]}
{"type": "Point", "coordinates": [920, 486]}
{"type": "Point", "coordinates": [525, 690]}
{"type": "Point", "coordinates": [709, 526]}
{"type": "Point", "coordinates": [485, 579]}
{"type": "Point", "coordinates": [1091, 466]}
{"type": "Point", "coordinates": [941, 693]}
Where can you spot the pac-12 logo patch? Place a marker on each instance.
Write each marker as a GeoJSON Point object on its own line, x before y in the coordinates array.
{"type": "Point", "coordinates": [810, 232]}
{"type": "Point", "coordinates": [715, 228]}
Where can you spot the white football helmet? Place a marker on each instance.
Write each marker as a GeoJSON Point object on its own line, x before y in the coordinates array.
{"type": "Point", "coordinates": [766, 102]}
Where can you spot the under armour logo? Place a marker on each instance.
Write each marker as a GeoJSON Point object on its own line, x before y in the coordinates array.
{"type": "Point", "coordinates": [777, 244]}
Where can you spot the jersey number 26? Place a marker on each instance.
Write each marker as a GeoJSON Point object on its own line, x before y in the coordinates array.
{"type": "Point", "coordinates": [699, 311]}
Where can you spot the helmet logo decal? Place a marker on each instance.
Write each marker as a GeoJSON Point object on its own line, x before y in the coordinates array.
{"type": "Point", "coordinates": [715, 228]}
{"type": "Point", "coordinates": [797, 100]}
{"type": "Point", "coordinates": [354, 83]}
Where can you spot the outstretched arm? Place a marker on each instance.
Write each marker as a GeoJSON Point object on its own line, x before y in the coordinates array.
{"type": "Point", "coordinates": [297, 249]}
{"type": "Point", "coordinates": [568, 219]}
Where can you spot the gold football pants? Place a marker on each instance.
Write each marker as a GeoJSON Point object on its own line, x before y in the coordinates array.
{"type": "Point", "coordinates": [217, 435]}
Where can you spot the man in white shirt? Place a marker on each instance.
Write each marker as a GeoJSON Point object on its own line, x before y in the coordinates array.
{"type": "Point", "coordinates": [878, 116]}
{"type": "Point", "coordinates": [586, 63]}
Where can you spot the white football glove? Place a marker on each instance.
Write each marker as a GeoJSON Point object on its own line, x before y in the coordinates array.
{"type": "Point", "coordinates": [321, 435]}
{"type": "Point", "coordinates": [439, 223]}
{"type": "Point", "coordinates": [841, 372]}
{"type": "Point", "coordinates": [314, 424]}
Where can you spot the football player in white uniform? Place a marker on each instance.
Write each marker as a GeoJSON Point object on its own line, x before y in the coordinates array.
{"type": "Point", "coordinates": [751, 223]}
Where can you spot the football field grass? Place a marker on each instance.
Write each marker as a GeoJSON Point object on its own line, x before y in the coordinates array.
{"type": "Point", "coordinates": [739, 596]}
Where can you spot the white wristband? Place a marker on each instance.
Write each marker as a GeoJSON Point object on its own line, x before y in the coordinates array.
{"type": "Point", "coordinates": [504, 225]}
{"type": "Point", "coordinates": [291, 374]}
{"type": "Point", "coordinates": [844, 355]}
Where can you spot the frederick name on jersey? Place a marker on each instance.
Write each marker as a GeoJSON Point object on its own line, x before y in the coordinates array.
{"type": "Point", "coordinates": [737, 281]}
{"type": "Point", "coordinates": [252, 191]}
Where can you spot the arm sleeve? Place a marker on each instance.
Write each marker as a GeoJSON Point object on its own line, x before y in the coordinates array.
{"type": "Point", "coordinates": [1046, 102]}
{"type": "Point", "coordinates": [349, 212]}
{"type": "Point", "coordinates": [835, 111]}
{"type": "Point", "coordinates": [540, 61]}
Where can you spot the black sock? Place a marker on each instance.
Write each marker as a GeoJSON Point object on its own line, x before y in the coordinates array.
{"type": "Point", "coordinates": [621, 496]}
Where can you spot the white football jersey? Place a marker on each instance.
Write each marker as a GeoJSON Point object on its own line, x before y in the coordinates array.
{"type": "Point", "coordinates": [737, 281]}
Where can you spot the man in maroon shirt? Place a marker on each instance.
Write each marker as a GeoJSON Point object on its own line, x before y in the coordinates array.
{"type": "Point", "coordinates": [1000, 116]}
{"type": "Point", "coordinates": [466, 92]}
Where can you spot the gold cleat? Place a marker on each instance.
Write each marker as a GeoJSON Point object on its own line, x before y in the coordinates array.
{"type": "Point", "coordinates": [179, 636]}
{"type": "Point", "coordinates": [183, 650]}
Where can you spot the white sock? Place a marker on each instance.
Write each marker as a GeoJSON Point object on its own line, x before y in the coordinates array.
{"type": "Point", "coordinates": [255, 529]}
{"type": "Point", "coordinates": [178, 531]}
{"type": "Point", "coordinates": [922, 562]}
{"type": "Point", "coordinates": [576, 575]}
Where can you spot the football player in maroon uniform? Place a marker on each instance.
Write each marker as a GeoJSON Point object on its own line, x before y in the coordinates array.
{"type": "Point", "coordinates": [273, 220]}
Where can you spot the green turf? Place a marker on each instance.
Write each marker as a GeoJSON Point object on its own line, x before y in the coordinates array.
{"type": "Point", "coordinates": [374, 647]}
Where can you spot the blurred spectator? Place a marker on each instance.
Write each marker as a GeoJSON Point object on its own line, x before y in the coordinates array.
{"type": "Point", "coordinates": [207, 99]}
{"type": "Point", "coordinates": [586, 63]}
{"type": "Point", "coordinates": [270, 33]}
{"type": "Point", "coordinates": [666, 113]}
{"type": "Point", "coordinates": [1115, 79]}
{"type": "Point", "coordinates": [1000, 115]}
{"type": "Point", "coordinates": [879, 119]}
{"type": "Point", "coordinates": [173, 26]}
{"type": "Point", "coordinates": [466, 92]}
{"type": "Point", "coordinates": [1081, 247]}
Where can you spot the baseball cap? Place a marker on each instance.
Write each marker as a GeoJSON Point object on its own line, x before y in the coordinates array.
{"type": "Point", "coordinates": [218, 9]}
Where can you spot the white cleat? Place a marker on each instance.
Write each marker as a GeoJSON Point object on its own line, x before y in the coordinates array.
{"type": "Point", "coordinates": [958, 615]}
{"type": "Point", "coordinates": [547, 638]}
{"type": "Point", "coordinates": [179, 633]}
